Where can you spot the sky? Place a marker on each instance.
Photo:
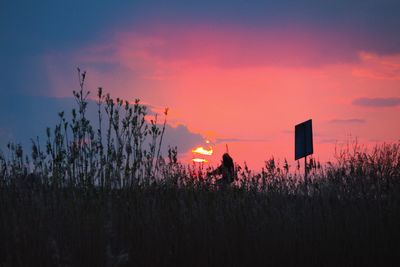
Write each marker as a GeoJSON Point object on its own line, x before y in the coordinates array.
{"type": "Point", "coordinates": [241, 74]}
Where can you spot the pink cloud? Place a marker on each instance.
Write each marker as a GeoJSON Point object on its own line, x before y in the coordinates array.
{"type": "Point", "coordinates": [229, 47]}
{"type": "Point", "coordinates": [378, 67]}
{"type": "Point", "coordinates": [247, 84]}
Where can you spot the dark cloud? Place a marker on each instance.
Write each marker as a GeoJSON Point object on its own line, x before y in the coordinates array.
{"type": "Point", "coordinates": [28, 117]}
{"type": "Point", "coordinates": [377, 102]}
{"type": "Point", "coordinates": [181, 137]}
{"type": "Point", "coordinates": [348, 121]}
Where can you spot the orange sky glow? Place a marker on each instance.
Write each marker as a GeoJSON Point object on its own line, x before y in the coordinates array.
{"type": "Point", "coordinates": [248, 87]}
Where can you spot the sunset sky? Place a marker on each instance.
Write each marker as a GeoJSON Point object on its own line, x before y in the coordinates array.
{"type": "Point", "coordinates": [241, 73]}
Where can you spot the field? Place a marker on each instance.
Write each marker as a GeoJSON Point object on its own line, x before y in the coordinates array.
{"type": "Point", "coordinates": [163, 224]}
{"type": "Point", "coordinates": [107, 197]}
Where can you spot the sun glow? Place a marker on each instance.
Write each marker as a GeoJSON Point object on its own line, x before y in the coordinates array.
{"type": "Point", "coordinates": [202, 151]}
{"type": "Point", "coordinates": [199, 160]}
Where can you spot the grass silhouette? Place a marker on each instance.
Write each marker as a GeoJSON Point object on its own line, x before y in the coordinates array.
{"type": "Point", "coordinates": [106, 197]}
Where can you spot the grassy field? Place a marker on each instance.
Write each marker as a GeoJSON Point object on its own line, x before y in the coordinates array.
{"type": "Point", "coordinates": [197, 225]}
{"type": "Point", "coordinates": [107, 197]}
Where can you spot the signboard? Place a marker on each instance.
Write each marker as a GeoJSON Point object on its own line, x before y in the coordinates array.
{"type": "Point", "coordinates": [303, 140]}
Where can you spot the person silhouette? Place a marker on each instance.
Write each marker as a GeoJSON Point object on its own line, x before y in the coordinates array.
{"type": "Point", "coordinates": [226, 170]}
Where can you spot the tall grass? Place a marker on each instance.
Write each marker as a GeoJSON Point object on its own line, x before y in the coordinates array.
{"type": "Point", "coordinates": [105, 196]}
{"type": "Point", "coordinates": [124, 150]}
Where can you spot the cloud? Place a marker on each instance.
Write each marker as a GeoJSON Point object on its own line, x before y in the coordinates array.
{"type": "Point", "coordinates": [348, 121]}
{"type": "Point", "coordinates": [29, 116]}
{"type": "Point", "coordinates": [170, 46]}
{"type": "Point", "coordinates": [346, 28]}
{"type": "Point", "coordinates": [377, 102]}
{"type": "Point", "coordinates": [378, 67]}
{"type": "Point", "coordinates": [181, 137]}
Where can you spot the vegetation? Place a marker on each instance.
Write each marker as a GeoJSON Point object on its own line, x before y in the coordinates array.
{"type": "Point", "coordinates": [107, 197]}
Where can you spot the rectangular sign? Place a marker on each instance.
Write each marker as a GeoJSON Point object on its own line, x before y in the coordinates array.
{"type": "Point", "coordinates": [303, 140]}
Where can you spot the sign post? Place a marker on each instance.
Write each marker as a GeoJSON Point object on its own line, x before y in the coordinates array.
{"type": "Point", "coordinates": [303, 143]}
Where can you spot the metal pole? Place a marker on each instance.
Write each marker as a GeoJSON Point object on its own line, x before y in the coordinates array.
{"type": "Point", "coordinates": [305, 169]}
